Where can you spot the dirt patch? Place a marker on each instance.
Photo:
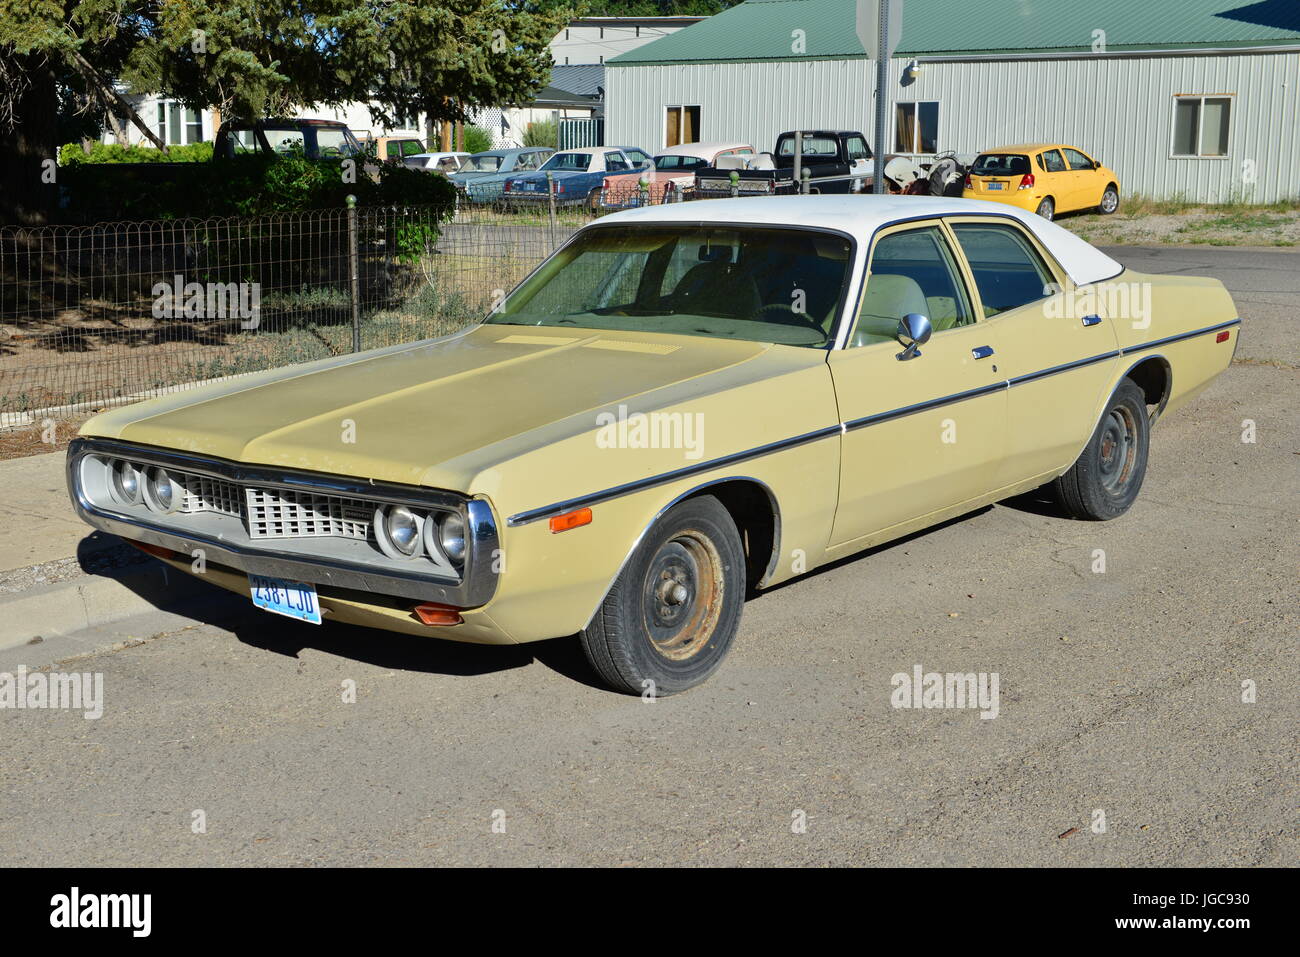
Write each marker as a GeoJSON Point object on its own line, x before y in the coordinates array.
{"type": "Point", "coordinates": [1145, 223]}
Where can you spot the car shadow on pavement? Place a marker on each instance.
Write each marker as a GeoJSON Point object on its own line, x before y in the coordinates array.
{"type": "Point", "coordinates": [106, 556]}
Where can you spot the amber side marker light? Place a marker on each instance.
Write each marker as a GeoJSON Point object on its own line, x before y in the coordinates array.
{"type": "Point", "coordinates": [562, 523]}
{"type": "Point", "coordinates": [157, 551]}
{"type": "Point", "coordinates": [1222, 337]}
{"type": "Point", "coordinates": [431, 613]}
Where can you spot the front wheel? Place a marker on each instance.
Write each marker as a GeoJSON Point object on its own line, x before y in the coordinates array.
{"type": "Point", "coordinates": [1109, 201]}
{"type": "Point", "coordinates": [670, 617]}
{"type": "Point", "coordinates": [1106, 479]}
{"type": "Point", "coordinates": [1046, 209]}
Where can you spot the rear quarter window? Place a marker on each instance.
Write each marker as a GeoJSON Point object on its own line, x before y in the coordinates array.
{"type": "Point", "coordinates": [1009, 272]}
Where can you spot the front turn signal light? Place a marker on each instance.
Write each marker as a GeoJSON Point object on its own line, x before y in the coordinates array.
{"type": "Point", "coordinates": [432, 613]}
{"type": "Point", "coordinates": [562, 523]}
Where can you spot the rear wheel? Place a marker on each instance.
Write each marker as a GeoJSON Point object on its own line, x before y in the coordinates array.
{"type": "Point", "coordinates": [593, 200]}
{"type": "Point", "coordinates": [1047, 208]}
{"type": "Point", "coordinates": [1109, 201]}
{"type": "Point", "coordinates": [670, 617]}
{"type": "Point", "coordinates": [1106, 479]}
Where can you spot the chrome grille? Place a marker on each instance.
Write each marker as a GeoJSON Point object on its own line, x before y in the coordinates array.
{"type": "Point", "coordinates": [280, 513]}
{"type": "Point", "coordinates": [203, 494]}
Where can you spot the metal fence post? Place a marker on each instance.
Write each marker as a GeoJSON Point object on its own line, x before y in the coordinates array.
{"type": "Point", "coordinates": [805, 186]}
{"type": "Point", "coordinates": [734, 176]}
{"type": "Point", "coordinates": [550, 199]}
{"type": "Point", "coordinates": [354, 279]}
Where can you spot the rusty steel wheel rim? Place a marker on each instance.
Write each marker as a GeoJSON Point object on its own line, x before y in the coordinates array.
{"type": "Point", "coordinates": [681, 598]}
{"type": "Point", "coordinates": [1118, 449]}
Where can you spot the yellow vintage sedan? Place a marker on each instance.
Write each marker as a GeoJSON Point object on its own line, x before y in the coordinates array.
{"type": "Point", "coordinates": [683, 404]}
{"type": "Point", "coordinates": [1044, 178]}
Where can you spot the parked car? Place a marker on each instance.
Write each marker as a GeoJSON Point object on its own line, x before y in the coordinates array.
{"type": "Point", "coordinates": [315, 139]}
{"type": "Point", "coordinates": [445, 163]}
{"type": "Point", "coordinates": [576, 173]}
{"type": "Point", "coordinates": [824, 153]}
{"type": "Point", "coordinates": [483, 174]}
{"type": "Point", "coordinates": [395, 149]}
{"type": "Point", "coordinates": [1045, 178]}
{"type": "Point", "coordinates": [684, 402]}
{"type": "Point", "coordinates": [674, 168]}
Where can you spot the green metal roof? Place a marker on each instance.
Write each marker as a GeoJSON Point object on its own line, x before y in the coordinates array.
{"type": "Point", "coordinates": [764, 29]}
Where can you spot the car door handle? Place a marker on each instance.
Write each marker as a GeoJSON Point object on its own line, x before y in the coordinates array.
{"type": "Point", "coordinates": [1092, 320]}
{"type": "Point", "coordinates": [982, 352]}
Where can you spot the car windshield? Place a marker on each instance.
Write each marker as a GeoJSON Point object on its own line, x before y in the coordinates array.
{"type": "Point", "coordinates": [1001, 164]}
{"type": "Point", "coordinates": [569, 161]}
{"type": "Point", "coordinates": [481, 164]}
{"type": "Point", "coordinates": [679, 162]}
{"type": "Point", "coordinates": [760, 283]}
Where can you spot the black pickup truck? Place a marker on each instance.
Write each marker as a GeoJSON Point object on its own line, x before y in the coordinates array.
{"type": "Point", "coordinates": [824, 153]}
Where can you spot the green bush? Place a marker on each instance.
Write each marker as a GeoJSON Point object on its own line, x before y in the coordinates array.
{"type": "Point", "coordinates": [71, 154]}
{"type": "Point", "coordinates": [243, 186]}
{"type": "Point", "coordinates": [477, 139]}
{"type": "Point", "coordinates": [545, 133]}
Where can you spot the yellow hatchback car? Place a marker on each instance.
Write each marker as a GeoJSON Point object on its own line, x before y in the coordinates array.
{"type": "Point", "coordinates": [1043, 178]}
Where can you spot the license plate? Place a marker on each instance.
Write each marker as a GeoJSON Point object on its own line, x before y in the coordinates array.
{"type": "Point", "coordinates": [293, 599]}
{"type": "Point", "coordinates": [994, 185]}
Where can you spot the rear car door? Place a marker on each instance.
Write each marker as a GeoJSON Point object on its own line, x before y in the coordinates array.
{"type": "Point", "coordinates": [924, 433]}
{"type": "Point", "coordinates": [1058, 363]}
{"type": "Point", "coordinates": [1058, 182]}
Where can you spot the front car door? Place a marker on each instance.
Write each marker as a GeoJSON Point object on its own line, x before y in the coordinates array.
{"type": "Point", "coordinates": [920, 434]}
{"type": "Point", "coordinates": [1088, 183]}
{"type": "Point", "coordinates": [1056, 350]}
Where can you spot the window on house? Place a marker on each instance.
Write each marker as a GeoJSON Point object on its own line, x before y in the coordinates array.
{"type": "Point", "coordinates": [916, 127]}
{"type": "Point", "coordinates": [682, 125]}
{"type": "Point", "coordinates": [177, 125]}
{"type": "Point", "coordinates": [1201, 125]}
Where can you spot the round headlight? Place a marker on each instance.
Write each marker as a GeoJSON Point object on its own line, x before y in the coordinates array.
{"type": "Point", "coordinates": [398, 530]}
{"type": "Point", "coordinates": [451, 536]}
{"type": "Point", "coordinates": [125, 480]}
{"type": "Point", "coordinates": [162, 493]}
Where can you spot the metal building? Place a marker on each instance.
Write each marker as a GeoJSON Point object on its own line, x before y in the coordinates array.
{"type": "Point", "coordinates": [1194, 99]}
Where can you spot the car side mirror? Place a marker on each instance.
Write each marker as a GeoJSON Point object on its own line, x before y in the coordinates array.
{"type": "Point", "coordinates": [913, 332]}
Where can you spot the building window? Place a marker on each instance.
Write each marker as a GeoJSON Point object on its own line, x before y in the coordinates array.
{"type": "Point", "coordinates": [916, 128]}
{"type": "Point", "coordinates": [1201, 125]}
{"type": "Point", "coordinates": [177, 125]}
{"type": "Point", "coordinates": [682, 125]}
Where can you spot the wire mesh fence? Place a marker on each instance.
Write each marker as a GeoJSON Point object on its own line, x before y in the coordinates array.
{"type": "Point", "coordinates": [93, 314]}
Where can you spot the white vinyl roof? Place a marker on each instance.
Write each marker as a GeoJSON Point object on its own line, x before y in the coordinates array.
{"type": "Point", "coordinates": [862, 215]}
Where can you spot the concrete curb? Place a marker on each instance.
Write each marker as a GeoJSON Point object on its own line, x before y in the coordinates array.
{"type": "Point", "coordinates": [66, 607]}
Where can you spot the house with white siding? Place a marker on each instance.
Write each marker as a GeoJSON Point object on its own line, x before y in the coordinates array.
{"type": "Point", "coordinates": [1198, 99]}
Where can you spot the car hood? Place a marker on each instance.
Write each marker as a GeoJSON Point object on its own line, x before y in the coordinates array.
{"type": "Point", "coordinates": [437, 413]}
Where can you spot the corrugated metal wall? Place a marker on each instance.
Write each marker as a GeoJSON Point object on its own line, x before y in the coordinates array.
{"type": "Point", "coordinates": [1120, 109]}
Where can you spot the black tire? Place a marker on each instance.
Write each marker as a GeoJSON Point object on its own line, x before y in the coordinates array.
{"type": "Point", "coordinates": [593, 200]}
{"type": "Point", "coordinates": [1106, 479]}
{"type": "Point", "coordinates": [646, 630]}
{"type": "Point", "coordinates": [1109, 204]}
{"type": "Point", "coordinates": [1047, 208]}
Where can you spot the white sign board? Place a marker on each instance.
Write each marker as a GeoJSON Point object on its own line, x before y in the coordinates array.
{"type": "Point", "coordinates": [868, 25]}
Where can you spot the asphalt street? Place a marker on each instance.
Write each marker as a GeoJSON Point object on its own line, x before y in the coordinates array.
{"type": "Point", "coordinates": [1121, 738]}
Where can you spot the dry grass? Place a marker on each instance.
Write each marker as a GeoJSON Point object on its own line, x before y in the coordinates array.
{"type": "Point", "coordinates": [1144, 221]}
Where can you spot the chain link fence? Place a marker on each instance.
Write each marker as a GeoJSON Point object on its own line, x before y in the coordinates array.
{"type": "Point", "coordinates": [93, 315]}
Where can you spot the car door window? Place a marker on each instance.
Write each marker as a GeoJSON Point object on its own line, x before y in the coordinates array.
{"type": "Point", "coordinates": [615, 161]}
{"type": "Point", "coordinates": [1008, 271]}
{"type": "Point", "coordinates": [856, 147]}
{"type": "Point", "coordinates": [911, 271]}
{"type": "Point", "coordinates": [1052, 162]}
{"type": "Point", "coordinates": [1077, 160]}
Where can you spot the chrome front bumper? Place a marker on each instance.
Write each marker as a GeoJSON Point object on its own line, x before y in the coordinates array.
{"type": "Point", "coordinates": [299, 559]}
